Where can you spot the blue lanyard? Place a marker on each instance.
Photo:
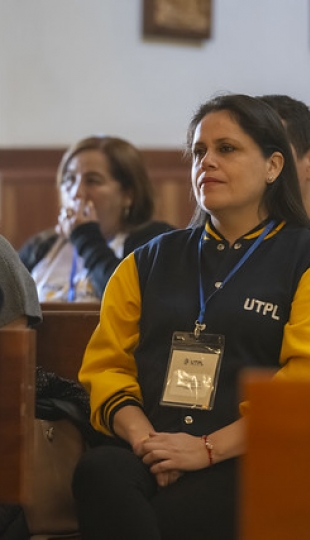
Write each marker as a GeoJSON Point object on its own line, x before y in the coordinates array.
{"type": "Point", "coordinates": [203, 303]}
{"type": "Point", "coordinates": [71, 291]}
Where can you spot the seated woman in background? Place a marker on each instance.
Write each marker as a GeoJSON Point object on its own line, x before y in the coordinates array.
{"type": "Point", "coordinates": [106, 212]}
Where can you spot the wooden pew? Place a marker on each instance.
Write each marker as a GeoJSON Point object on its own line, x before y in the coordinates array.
{"type": "Point", "coordinates": [58, 345]}
{"type": "Point", "coordinates": [275, 473]}
{"type": "Point", "coordinates": [61, 341]}
{"type": "Point", "coordinates": [17, 369]}
{"type": "Point", "coordinates": [62, 338]}
{"type": "Point", "coordinates": [70, 306]}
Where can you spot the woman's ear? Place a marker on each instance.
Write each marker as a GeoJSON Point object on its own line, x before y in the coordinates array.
{"type": "Point", "coordinates": [128, 197]}
{"type": "Point", "coordinates": [274, 166]}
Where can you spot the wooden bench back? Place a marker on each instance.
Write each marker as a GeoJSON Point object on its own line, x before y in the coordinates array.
{"type": "Point", "coordinates": [17, 392]}
{"type": "Point", "coordinates": [70, 306]}
{"type": "Point", "coordinates": [275, 473]}
{"type": "Point", "coordinates": [58, 345]}
{"type": "Point", "coordinates": [62, 338]}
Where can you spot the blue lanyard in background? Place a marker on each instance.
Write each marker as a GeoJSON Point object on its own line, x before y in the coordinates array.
{"type": "Point", "coordinates": [71, 291]}
{"type": "Point", "coordinates": [203, 303]}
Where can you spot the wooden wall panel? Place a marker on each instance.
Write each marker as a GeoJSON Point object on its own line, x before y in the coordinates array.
{"type": "Point", "coordinates": [29, 200]}
{"type": "Point", "coordinates": [28, 204]}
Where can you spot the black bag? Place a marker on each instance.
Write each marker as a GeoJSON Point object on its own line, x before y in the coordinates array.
{"type": "Point", "coordinates": [62, 433]}
{"type": "Point", "coordinates": [13, 525]}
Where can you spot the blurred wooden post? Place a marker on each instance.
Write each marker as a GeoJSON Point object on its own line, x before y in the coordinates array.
{"type": "Point", "coordinates": [275, 473]}
{"type": "Point", "coordinates": [17, 370]}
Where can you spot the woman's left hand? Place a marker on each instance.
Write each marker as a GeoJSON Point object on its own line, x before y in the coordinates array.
{"type": "Point", "coordinates": [164, 452]}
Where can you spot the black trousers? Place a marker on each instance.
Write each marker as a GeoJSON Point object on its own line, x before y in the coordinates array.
{"type": "Point", "coordinates": [118, 498]}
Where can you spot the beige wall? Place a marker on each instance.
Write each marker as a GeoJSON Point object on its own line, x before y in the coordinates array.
{"type": "Point", "coordinates": [73, 67]}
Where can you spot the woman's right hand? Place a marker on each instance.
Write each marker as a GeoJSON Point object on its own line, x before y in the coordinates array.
{"type": "Point", "coordinates": [71, 217]}
{"type": "Point", "coordinates": [164, 478]}
{"type": "Point", "coordinates": [131, 424]}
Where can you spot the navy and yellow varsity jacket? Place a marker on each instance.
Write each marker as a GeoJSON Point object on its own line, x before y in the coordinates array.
{"type": "Point", "coordinates": [263, 312]}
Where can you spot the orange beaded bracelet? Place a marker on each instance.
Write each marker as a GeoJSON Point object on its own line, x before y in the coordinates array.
{"type": "Point", "coordinates": [209, 448]}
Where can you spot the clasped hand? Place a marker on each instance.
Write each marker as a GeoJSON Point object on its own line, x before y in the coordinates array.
{"type": "Point", "coordinates": [168, 455]}
{"type": "Point", "coordinates": [70, 217]}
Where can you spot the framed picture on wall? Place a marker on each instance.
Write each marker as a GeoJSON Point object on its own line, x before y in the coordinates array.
{"type": "Point", "coordinates": [184, 19]}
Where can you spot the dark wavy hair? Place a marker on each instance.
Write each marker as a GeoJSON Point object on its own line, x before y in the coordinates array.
{"type": "Point", "coordinates": [282, 198]}
{"type": "Point", "coordinates": [296, 117]}
{"type": "Point", "coordinates": [126, 166]}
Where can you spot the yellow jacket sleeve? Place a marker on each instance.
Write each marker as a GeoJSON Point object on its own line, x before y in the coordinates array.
{"type": "Point", "coordinates": [295, 352]}
{"type": "Point", "coordinates": [108, 370]}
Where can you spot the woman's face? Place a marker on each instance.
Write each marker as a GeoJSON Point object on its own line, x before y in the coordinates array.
{"type": "Point", "coordinates": [88, 180]}
{"type": "Point", "coordinates": [229, 171]}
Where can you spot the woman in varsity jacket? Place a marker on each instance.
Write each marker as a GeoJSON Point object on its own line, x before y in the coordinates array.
{"type": "Point", "coordinates": [180, 319]}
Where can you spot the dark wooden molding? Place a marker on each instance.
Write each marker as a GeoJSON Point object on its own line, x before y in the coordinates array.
{"type": "Point", "coordinates": [30, 158]}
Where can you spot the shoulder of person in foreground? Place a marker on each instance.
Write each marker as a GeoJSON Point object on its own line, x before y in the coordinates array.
{"type": "Point", "coordinates": [20, 297]}
{"type": "Point", "coordinates": [36, 247]}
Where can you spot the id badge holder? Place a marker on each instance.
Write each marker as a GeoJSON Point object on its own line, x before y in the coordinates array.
{"type": "Point", "coordinates": [193, 370]}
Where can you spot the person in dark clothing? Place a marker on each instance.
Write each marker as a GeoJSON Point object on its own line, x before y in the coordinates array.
{"type": "Point", "coordinates": [106, 212]}
{"type": "Point", "coordinates": [295, 116]}
{"type": "Point", "coordinates": [181, 318]}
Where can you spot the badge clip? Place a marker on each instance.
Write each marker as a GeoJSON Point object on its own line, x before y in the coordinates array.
{"type": "Point", "coordinates": [198, 328]}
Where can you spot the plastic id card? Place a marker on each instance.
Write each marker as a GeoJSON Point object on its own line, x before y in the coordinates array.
{"type": "Point", "coordinates": [193, 370]}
